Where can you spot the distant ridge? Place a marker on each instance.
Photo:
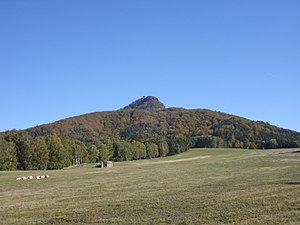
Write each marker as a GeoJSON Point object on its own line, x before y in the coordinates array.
{"type": "Point", "coordinates": [149, 103]}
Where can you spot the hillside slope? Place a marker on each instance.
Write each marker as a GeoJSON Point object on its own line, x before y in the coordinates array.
{"type": "Point", "coordinates": [148, 120]}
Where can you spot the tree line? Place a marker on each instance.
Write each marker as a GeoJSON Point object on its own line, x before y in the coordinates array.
{"type": "Point", "coordinates": [18, 150]}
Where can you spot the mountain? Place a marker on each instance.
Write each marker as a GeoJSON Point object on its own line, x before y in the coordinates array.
{"type": "Point", "coordinates": [143, 129]}
{"type": "Point", "coordinates": [148, 120]}
{"type": "Point", "coordinates": [150, 103]}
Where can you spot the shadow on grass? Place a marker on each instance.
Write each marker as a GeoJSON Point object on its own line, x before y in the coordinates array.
{"type": "Point", "coordinates": [293, 183]}
{"type": "Point", "coordinates": [293, 152]}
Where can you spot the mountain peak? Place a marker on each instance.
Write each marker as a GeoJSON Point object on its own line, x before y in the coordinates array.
{"type": "Point", "coordinates": [150, 103]}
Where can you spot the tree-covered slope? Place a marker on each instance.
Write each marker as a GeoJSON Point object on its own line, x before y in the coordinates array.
{"type": "Point", "coordinates": [144, 129]}
{"type": "Point", "coordinates": [145, 125]}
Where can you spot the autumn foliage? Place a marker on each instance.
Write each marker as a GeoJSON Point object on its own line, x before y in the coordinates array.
{"type": "Point", "coordinates": [144, 129]}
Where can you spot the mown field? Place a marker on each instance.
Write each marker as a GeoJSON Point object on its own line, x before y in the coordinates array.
{"type": "Point", "coordinates": [201, 186]}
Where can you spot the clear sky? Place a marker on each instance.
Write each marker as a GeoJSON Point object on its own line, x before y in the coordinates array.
{"type": "Point", "coordinates": [62, 58]}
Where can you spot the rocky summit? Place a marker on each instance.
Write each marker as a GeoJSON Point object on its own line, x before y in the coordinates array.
{"type": "Point", "coordinates": [149, 103]}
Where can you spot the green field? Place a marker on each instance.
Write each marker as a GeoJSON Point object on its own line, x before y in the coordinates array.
{"type": "Point", "coordinates": [201, 186]}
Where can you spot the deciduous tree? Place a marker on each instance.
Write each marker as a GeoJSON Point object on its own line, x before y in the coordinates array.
{"type": "Point", "coordinates": [8, 155]}
{"type": "Point", "coordinates": [40, 153]}
{"type": "Point", "coordinates": [57, 153]}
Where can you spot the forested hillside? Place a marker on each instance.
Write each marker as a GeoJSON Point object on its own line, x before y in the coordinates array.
{"type": "Point", "coordinates": [154, 126]}
{"type": "Point", "coordinates": [144, 129]}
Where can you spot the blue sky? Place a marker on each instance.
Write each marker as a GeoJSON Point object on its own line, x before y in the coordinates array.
{"type": "Point", "coordinates": [65, 58]}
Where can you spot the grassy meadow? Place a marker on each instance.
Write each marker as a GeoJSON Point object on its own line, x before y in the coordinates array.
{"type": "Point", "coordinates": [200, 186]}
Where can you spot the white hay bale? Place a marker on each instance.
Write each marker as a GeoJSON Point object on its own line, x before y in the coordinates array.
{"type": "Point", "coordinates": [47, 176]}
{"type": "Point", "coordinates": [24, 178]}
{"type": "Point", "coordinates": [30, 177]}
{"type": "Point", "coordinates": [19, 178]}
{"type": "Point", "coordinates": [38, 177]}
{"type": "Point", "coordinates": [42, 177]}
